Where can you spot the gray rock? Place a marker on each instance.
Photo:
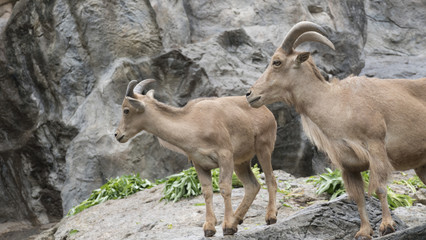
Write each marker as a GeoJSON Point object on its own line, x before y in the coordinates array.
{"type": "Point", "coordinates": [384, 66]}
{"type": "Point", "coordinates": [412, 216]}
{"type": "Point", "coordinates": [173, 23]}
{"type": "Point", "coordinates": [337, 219]}
{"type": "Point", "coordinates": [413, 233]}
{"type": "Point", "coordinates": [64, 66]}
{"type": "Point", "coordinates": [395, 28]}
{"type": "Point", "coordinates": [141, 216]}
{"type": "Point", "coordinates": [420, 196]}
{"type": "Point", "coordinates": [394, 47]}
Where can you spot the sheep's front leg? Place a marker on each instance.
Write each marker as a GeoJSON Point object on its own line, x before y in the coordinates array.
{"type": "Point", "coordinates": [264, 158]}
{"type": "Point", "coordinates": [226, 166]}
{"type": "Point", "coordinates": [206, 186]}
{"type": "Point", "coordinates": [355, 188]}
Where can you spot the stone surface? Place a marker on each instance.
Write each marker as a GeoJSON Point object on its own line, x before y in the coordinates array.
{"type": "Point", "coordinates": [65, 64]}
{"type": "Point", "coordinates": [337, 219]}
{"type": "Point", "coordinates": [143, 216]}
{"type": "Point", "coordinates": [406, 214]}
{"type": "Point", "coordinates": [395, 46]}
{"type": "Point", "coordinates": [413, 233]}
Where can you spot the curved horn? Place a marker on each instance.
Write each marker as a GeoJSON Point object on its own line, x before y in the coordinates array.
{"type": "Point", "coordinates": [298, 30]}
{"type": "Point", "coordinates": [141, 86]}
{"type": "Point", "coordinates": [130, 87]}
{"type": "Point", "coordinates": [312, 37]}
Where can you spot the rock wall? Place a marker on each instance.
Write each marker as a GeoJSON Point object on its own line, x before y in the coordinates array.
{"type": "Point", "coordinates": [395, 46]}
{"type": "Point", "coordinates": [65, 64]}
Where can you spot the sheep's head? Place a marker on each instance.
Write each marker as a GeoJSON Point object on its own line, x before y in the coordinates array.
{"type": "Point", "coordinates": [286, 66]}
{"type": "Point", "coordinates": [133, 108]}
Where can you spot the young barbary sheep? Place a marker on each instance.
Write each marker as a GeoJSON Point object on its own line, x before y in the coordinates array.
{"type": "Point", "coordinates": [361, 123]}
{"type": "Point", "coordinates": [222, 133]}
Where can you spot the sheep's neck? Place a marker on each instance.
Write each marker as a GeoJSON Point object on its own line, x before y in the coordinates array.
{"type": "Point", "coordinates": [313, 96]}
{"type": "Point", "coordinates": [169, 124]}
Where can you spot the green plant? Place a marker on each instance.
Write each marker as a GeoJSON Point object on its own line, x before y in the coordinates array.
{"type": "Point", "coordinates": [115, 188]}
{"type": "Point", "coordinates": [413, 183]}
{"type": "Point", "coordinates": [177, 186]}
{"type": "Point", "coordinates": [332, 183]}
{"type": "Point", "coordinates": [394, 199]}
{"type": "Point", "coordinates": [186, 184]}
{"type": "Point", "coordinates": [286, 191]}
{"type": "Point", "coordinates": [72, 232]}
{"type": "Point", "coordinates": [236, 183]}
{"type": "Point", "coordinates": [397, 200]}
{"type": "Point", "coordinates": [182, 185]}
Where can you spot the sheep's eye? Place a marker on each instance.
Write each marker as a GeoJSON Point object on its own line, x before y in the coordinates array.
{"type": "Point", "coordinates": [126, 111]}
{"type": "Point", "coordinates": [276, 62]}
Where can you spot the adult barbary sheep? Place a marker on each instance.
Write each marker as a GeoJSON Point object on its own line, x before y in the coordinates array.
{"type": "Point", "coordinates": [220, 133]}
{"type": "Point", "coordinates": [361, 123]}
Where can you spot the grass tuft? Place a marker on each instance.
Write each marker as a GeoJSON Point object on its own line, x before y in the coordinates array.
{"type": "Point", "coordinates": [181, 185]}
{"type": "Point", "coordinates": [331, 182]}
{"type": "Point", "coordinates": [116, 188]}
{"type": "Point", "coordinates": [186, 184]}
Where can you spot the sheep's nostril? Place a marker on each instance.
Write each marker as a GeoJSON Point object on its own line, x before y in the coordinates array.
{"type": "Point", "coordinates": [115, 134]}
{"type": "Point", "coordinates": [248, 93]}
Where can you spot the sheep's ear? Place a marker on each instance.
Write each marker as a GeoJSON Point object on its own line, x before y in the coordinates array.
{"type": "Point", "coordinates": [150, 93]}
{"type": "Point", "coordinates": [138, 105]}
{"type": "Point", "coordinates": [302, 57]}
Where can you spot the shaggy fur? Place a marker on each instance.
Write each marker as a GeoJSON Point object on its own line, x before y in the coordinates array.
{"type": "Point", "coordinates": [361, 123]}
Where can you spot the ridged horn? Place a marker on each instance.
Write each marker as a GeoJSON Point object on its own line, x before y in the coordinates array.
{"type": "Point", "coordinates": [141, 86]}
{"type": "Point", "coordinates": [313, 37]}
{"type": "Point", "coordinates": [130, 87]}
{"type": "Point", "coordinates": [297, 30]}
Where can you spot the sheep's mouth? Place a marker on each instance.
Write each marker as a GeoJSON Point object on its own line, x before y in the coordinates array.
{"type": "Point", "coordinates": [120, 138]}
{"type": "Point", "coordinates": [254, 100]}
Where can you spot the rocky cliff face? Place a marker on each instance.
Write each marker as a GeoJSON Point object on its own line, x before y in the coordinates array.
{"type": "Point", "coordinates": [65, 64]}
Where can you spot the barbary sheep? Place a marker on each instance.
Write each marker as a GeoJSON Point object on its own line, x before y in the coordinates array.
{"type": "Point", "coordinates": [222, 133]}
{"type": "Point", "coordinates": [361, 123]}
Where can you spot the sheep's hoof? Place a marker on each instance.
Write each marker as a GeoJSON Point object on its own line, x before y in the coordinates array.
{"type": "Point", "coordinates": [387, 230]}
{"type": "Point", "coordinates": [271, 221]}
{"type": "Point", "coordinates": [363, 238]}
{"type": "Point", "coordinates": [229, 231]}
{"type": "Point", "coordinates": [240, 222]}
{"type": "Point", "coordinates": [209, 233]}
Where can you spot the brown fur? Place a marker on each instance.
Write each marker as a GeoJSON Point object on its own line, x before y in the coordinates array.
{"type": "Point", "coordinates": [361, 123]}
{"type": "Point", "coordinates": [213, 132]}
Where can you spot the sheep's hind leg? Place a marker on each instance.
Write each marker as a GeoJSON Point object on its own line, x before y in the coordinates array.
{"type": "Point", "coordinates": [355, 188]}
{"type": "Point", "coordinates": [251, 188]}
{"type": "Point", "coordinates": [388, 225]}
{"type": "Point", "coordinates": [380, 170]}
{"type": "Point", "coordinates": [206, 186]}
{"type": "Point", "coordinates": [421, 172]}
{"type": "Point", "coordinates": [226, 165]}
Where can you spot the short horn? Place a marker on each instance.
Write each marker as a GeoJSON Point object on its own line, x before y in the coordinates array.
{"type": "Point", "coordinates": [130, 87]}
{"type": "Point", "coordinates": [141, 86]}
{"type": "Point", "coordinates": [298, 30]}
{"type": "Point", "coordinates": [312, 37]}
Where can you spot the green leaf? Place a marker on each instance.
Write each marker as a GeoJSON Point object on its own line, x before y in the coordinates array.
{"type": "Point", "coordinates": [186, 184]}
{"type": "Point", "coordinates": [72, 232]}
{"type": "Point", "coordinates": [115, 188]}
{"type": "Point", "coordinates": [332, 183]}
